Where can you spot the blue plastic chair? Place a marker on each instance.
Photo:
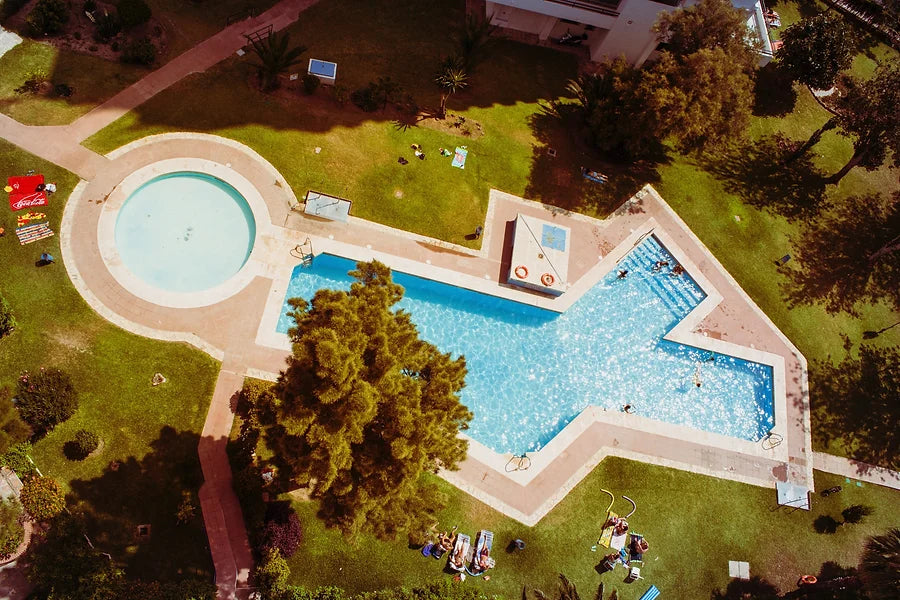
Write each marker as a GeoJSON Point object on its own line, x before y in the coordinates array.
{"type": "Point", "coordinates": [651, 594]}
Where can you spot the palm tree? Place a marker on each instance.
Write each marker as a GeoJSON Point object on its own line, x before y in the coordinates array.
{"type": "Point", "coordinates": [274, 58]}
{"type": "Point", "coordinates": [450, 78]}
{"type": "Point", "coordinates": [474, 40]}
{"type": "Point", "coordinates": [880, 566]}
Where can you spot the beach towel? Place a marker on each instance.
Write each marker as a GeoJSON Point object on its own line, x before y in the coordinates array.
{"type": "Point", "coordinates": [606, 535]}
{"type": "Point", "coordinates": [33, 233]}
{"type": "Point", "coordinates": [459, 158]}
{"type": "Point", "coordinates": [23, 220]}
{"type": "Point", "coordinates": [651, 594]}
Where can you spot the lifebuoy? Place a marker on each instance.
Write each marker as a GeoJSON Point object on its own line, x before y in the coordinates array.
{"type": "Point", "coordinates": [808, 579]}
{"type": "Point", "coordinates": [547, 279]}
{"type": "Point", "coordinates": [521, 272]}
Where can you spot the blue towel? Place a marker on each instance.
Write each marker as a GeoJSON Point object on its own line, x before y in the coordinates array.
{"type": "Point", "coordinates": [651, 594]}
{"type": "Point", "coordinates": [459, 158]}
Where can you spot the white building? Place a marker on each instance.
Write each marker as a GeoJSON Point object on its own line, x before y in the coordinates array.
{"type": "Point", "coordinates": [613, 27]}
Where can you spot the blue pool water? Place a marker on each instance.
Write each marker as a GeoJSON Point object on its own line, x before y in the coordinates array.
{"type": "Point", "coordinates": [531, 371]}
{"type": "Point", "coordinates": [185, 232]}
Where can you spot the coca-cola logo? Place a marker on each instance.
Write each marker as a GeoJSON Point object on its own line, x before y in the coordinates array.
{"type": "Point", "coordinates": [28, 201]}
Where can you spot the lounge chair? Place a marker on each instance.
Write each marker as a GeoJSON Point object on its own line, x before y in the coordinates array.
{"type": "Point", "coordinates": [484, 542]}
{"type": "Point", "coordinates": [651, 594]}
{"type": "Point", "coordinates": [460, 552]}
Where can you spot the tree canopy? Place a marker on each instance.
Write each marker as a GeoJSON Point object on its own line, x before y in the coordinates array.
{"type": "Point", "coordinates": [365, 407]}
{"type": "Point", "coordinates": [868, 113]}
{"type": "Point", "coordinates": [274, 58]}
{"type": "Point", "coordinates": [816, 49]}
{"type": "Point", "coordinates": [708, 25]}
{"type": "Point", "coordinates": [860, 397]}
{"type": "Point", "coordinates": [45, 399]}
{"type": "Point", "coordinates": [849, 255]}
{"type": "Point", "coordinates": [879, 566]}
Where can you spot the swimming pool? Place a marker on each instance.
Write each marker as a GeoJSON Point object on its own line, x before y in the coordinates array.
{"type": "Point", "coordinates": [185, 232]}
{"type": "Point", "coordinates": [531, 371]}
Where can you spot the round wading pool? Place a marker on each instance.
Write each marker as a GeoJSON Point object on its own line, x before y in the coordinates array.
{"type": "Point", "coordinates": [185, 232]}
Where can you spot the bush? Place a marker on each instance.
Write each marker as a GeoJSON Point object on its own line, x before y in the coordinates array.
{"type": "Point", "coordinates": [271, 574]}
{"type": "Point", "coordinates": [33, 83]}
{"type": "Point", "coordinates": [366, 98]}
{"type": "Point", "coordinates": [86, 442]}
{"type": "Point", "coordinates": [89, 6]}
{"type": "Point", "coordinates": [187, 510]}
{"type": "Point", "coordinates": [10, 7]}
{"type": "Point", "coordinates": [16, 458]}
{"type": "Point", "coordinates": [12, 429]}
{"type": "Point", "coordinates": [7, 320]}
{"type": "Point", "coordinates": [48, 17]}
{"type": "Point", "coordinates": [11, 531]}
{"type": "Point", "coordinates": [107, 27]}
{"type": "Point", "coordinates": [310, 83]}
{"type": "Point", "coordinates": [42, 498]}
{"type": "Point", "coordinates": [114, 46]}
{"type": "Point", "coordinates": [133, 12]}
{"type": "Point", "coordinates": [63, 90]}
{"type": "Point", "coordinates": [283, 530]}
{"type": "Point", "coordinates": [46, 399]}
{"type": "Point", "coordinates": [856, 513]}
{"type": "Point", "coordinates": [139, 52]}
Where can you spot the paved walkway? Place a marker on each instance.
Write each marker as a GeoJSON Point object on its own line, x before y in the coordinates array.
{"type": "Point", "coordinates": [855, 469]}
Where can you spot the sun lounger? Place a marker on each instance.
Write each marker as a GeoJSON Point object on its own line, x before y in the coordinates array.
{"type": "Point", "coordinates": [651, 594]}
{"type": "Point", "coordinates": [484, 542]}
{"type": "Point", "coordinates": [458, 557]}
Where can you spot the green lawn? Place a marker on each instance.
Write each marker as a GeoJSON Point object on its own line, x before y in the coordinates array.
{"type": "Point", "coordinates": [111, 370]}
{"type": "Point", "coordinates": [695, 525]}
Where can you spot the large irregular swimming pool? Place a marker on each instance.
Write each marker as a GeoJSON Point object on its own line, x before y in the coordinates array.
{"type": "Point", "coordinates": [531, 371]}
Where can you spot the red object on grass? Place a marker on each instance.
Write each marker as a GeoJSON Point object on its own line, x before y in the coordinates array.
{"type": "Point", "coordinates": [25, 193]}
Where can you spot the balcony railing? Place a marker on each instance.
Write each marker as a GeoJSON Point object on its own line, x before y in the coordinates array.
{"type": "Point", "coordinates": [597, 6]}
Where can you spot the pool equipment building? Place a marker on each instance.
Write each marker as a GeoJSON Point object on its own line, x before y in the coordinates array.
{"type": "Point", "coordinates": [540, 255]}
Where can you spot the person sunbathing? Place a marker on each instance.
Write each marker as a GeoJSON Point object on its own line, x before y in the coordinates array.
{"type": "Point", "coordinates": [639, 546]}
{"type": "Point", "coordinates": [484, 560]}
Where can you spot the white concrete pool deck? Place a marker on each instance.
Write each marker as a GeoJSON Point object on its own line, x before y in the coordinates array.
{"type": "Point", "coordinates": [235, 322]}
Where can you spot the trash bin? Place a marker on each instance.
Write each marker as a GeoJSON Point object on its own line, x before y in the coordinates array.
{"type": "Point", "coordinates": [520, 544]}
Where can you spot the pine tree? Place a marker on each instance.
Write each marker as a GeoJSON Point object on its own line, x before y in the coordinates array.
{"type": "Point", "coordinates": [365, 408]}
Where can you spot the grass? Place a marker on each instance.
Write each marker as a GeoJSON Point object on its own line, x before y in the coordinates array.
{"type": "Point", "coordinates": [695, 525]}
{"type": "Point", "coordinates": [94, 80]}
{"type": "Point", "coordinates": [111, 370]}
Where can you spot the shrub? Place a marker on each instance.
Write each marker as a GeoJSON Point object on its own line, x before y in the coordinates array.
{"type": "Point", "coordinates": [42, 498]}
{"type": "Point", "coordinates": [11, 531]}
{"type": "Point", "coordinates": [16, 458]}
{"type": "Point", "coordinates": [7, 320]}
{"type": "Point", "coordinates": [107, 26]}
{"type": "Point", "coordinates": [46, 399]}
{"type": "Point", "coordinates": [283, 530]}
{"type": "Point", "coordinates": [86, 442]}
{"type": "Point", "coordinates": [366, 98]}
{"type": "Point", "coordinates": [89, 6]}
{"type": "Point", "coordinates": [48, 17]}
{"type": "Point", "coordinates": [114, 46]}
{"type": "Point", "coordinates": [33, 83]}
{"type": "Point", "coordinates": [139, 52]}
{"type": "Point", "coordinates": [10, 7]}
{"type": "Point", "coordinates": [271, 574]}
{"type": "Point", "coordinates": [63, 90]}
{"type": "Point", "coordinates": [77, 35]}
{"type": "Point", "coordinates": [133, 12]}
{"type": "Point", "coordinates": [341, 94]}
{"type": "Point", "coordinates": [310, 83]}
{"type": "Point", "coordinates": [187, 510]}
{"type": "Point", "coordinates": [12, 429]}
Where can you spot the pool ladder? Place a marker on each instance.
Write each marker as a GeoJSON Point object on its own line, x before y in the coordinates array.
{"type": "Point", "coordinates": [304, 252]}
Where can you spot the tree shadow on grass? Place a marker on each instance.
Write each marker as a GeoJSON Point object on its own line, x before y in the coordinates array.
{"type": "Point", "coordinates": [773, 92]}
{"type": "Point", "coordinates": [755, 172]}
{"type": "Point", "coordinates": [556, 177]}
{"type": "Point", "coordinates": [756, 588]}
{"type": "Point", "coordinates": [148, 491]}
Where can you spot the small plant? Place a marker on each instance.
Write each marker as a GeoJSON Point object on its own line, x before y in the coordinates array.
{"type": "Point", "coordinates": [133, 12]}
{"type": "Point", "coordinates": [139, 52]}
{"type": "Point", "coordinates": [856, 513]}
{"type": "Point", "coordinates": [42, 498]}
{"type": "Point", "coordinates": [11, 531]}
{"type": "Point", "coordinates": [310, 84]}
{"type": "Point", "coordinates": [365, 99]}
{"type": "Point", "coordinates": [107, 27]}
{"type": "Point", "coordinates": [48, 17]}
{"type": "Point", "coordinates": [16, 458]}
{"type": "Point", "coordinates": [45, 399]}
{"type": "Point", "coordinates": [187, 510]}
{"type": "Point", "coordinates": [283, 530]}
{"type": "Point", "coordinates": [826, 524]}
{"type": "Point", "coordinates": [341, 93]}
{"type": "Point", "coordinates": [63, 90]}
{"type": "Point", "coordinates": [7, 320]}
{"type": "Point", "coordinates": [86, 442]}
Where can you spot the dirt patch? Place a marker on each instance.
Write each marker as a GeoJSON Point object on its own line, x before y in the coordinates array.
{"type": "Point", "coordinates": [454, 124]}
{"type": "Point", "coordinates": [78, 34]}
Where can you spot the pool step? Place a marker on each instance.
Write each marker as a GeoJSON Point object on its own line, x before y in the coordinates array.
{"type": "Point", "coordinates": [679, 294]}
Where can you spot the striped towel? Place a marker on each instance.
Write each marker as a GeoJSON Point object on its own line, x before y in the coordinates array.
{"type": "Point", "coordinates": [33, 233]}
{"type": "Point", "coordinates": [651, 594]}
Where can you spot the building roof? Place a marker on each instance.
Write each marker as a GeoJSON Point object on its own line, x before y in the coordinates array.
{"type": "Point", "coordinates": [542, 248]}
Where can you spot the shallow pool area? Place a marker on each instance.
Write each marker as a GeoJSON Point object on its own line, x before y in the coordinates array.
{"type": "Point", "coordinates": [185, 232]}
{"type": "Point", "coordinates": [532, 371]}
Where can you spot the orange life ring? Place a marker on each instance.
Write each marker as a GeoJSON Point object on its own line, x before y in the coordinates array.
{"type": "Point", "coordinates": [547, 279]}
{"type": "Point", "coordinates": [521, 272]}
{"type": "Point", "coordinates": [808, 579]}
